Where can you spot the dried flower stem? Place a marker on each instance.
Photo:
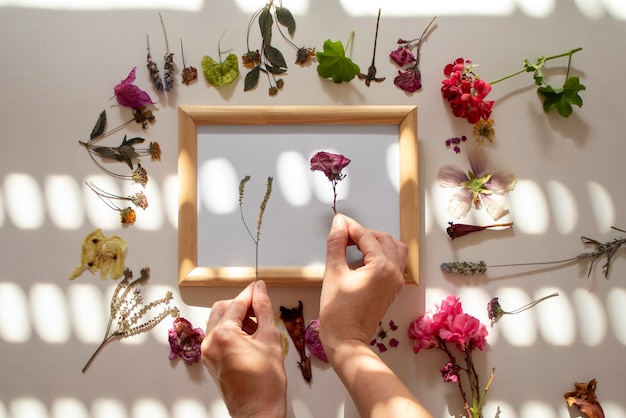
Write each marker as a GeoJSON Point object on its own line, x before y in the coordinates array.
{"type": "Point", "coordinates": [127, 311]}
{"type": "Point", "coordinates": [255, 238]}
{"type": "Point", "coordinates": [531, 304]}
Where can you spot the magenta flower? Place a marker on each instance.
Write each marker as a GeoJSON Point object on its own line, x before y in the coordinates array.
{"type": "Point", "coordinates": [445, 327]}
{"type": "Point", "coordinates": [402, 56]}
{"type": "Point", "coordinates": [331, 165]}
{"type": "Point", "coordinates": [312, 340]}
{"type": "Point", "coordinates": [382, 335]}
{"type": "Point", "coordinates": [450, 372]}
{"type": "Point", "coordinates": [185, 341]}
{"type": "Point", "coordinates": [477, 186]}
{"type": "Point", "coordinates": [466, 92]}
{"type": "Point", "coordinates": [129, 95]}
{"type": "Point", "coordinates": [409, 80]}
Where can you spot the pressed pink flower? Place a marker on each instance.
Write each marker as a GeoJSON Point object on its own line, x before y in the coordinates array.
{"type": "Point", "coordinates": [477, 187]}
{"type": "Point", "coordinates": [409, 80]}
{"type": "Point", "coordinates": [331, 165]}
{"type": "Point", "coordinates": [312, 340]}
{"type": "Point", "coordinates": [402, 56]}
{"type": "Point", "coordinates": [185, 341]}
{"type": "Point", "coordinates": [129, 95]}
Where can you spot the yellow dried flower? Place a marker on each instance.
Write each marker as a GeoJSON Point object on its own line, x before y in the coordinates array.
{"type": "Point", "coordinates": [104, 254]}
{"type": "Point", "coordinates": [483, 129]}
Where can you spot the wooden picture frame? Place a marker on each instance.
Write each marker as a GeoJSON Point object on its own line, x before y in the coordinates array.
{"type": "Point", "coordinates": [191, 117]}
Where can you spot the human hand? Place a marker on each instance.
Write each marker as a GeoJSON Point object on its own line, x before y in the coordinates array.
{"type": "Point", "coordinates": [246, 361]}
{"type": "Point", "coordinates": [353, 301]}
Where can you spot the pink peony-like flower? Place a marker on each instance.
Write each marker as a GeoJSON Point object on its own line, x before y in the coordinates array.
{"type": "Point", "coordinates": [129, 95]}
{"type": "Point", "coordinates": [465, 331]}
{"type": "Point", "coordinates": [185, 341]}
{"type": "Point", "coordinates": [312, 340]}
{"type": "Point", "coordinates": [422, 334]}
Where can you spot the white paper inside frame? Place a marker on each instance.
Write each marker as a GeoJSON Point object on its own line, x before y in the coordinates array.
{"type": "Point", "coordinates": [299, 211]}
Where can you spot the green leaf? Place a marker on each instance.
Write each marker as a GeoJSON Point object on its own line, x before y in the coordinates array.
{"type": "Point", "coordinates": [106, 152]}
{"type": "Point", "coordinates": [220, 73]}
{"type": "Point", "coordinates": [536, 68]}
{"type": "Point", "coordinates": [252, 79]}
{"type": "Point", "coordinates": [562, 99]}
{"type": "Point", "coordinates": [274, 56]}
{"type": "Point", "coordinates": [333, 63]}
{"type": "Point", "coordinates": [285, 18]}
{"type": "Point", "coordinates": [98, 129]}
{"type": "Point", "coordinates": [265, 24]}
{"type": "Point", "coordinates": [127, 153]}
{"type": "Point", "coordinates": [132, 141]}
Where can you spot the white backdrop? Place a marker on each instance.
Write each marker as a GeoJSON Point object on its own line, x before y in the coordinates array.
{"type": "Point", "coordinates": [59, 68]}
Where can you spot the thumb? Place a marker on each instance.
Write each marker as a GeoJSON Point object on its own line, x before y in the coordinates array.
{"type": "Point", "coordinates": [336, 243]}
{"type": "Point", "coordinates": [262, 304]}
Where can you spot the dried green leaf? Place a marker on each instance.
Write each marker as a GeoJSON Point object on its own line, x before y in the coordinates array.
{"type": "Point", "coordinates": [133, 141]}
{"type": "Point", "coordinates": [274, 56]}
{"type": "Point", "coordinates": [127, 153]}
{"type": "Point", "coordinates": [265, 24]}
{"type": "Point", "coordinates": [333, 63]}
{"type": "Point", "coordinates": [285, 18]}
{"type": "Point", "coordinates": [220, 73]}
{"type": "Point", "coordinates": [106, 152]}
{"type": "Point", "coordinates": [252, 79]}
{"type": "Point", "coordinates": [98, 129]}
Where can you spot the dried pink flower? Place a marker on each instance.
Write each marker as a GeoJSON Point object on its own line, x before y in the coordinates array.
{"type": "Point", "coordinates": [129, 95]}
{"type": "Point", "coordinates": [185, 341]}
{"type": "Point", "coordinates": [312, 340]}
{"type": "Point", "coordinates": [331, 165]}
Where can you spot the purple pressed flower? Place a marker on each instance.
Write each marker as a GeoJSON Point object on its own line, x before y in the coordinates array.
{"type": "Point", "coordinates": [393, 342]}
{"type": "Point", "coordinates": [129, 95]}
{"type": "Point", "coordinates": [402, 56]}
{"type": "Point", "coordinates": [409, 80]}
{"type": "Point", "coordinates": [312, 340]}
{"type": "Point", "coordinates": [185, 341]}
{"type": "Point", "coordinates": [477, 187]}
